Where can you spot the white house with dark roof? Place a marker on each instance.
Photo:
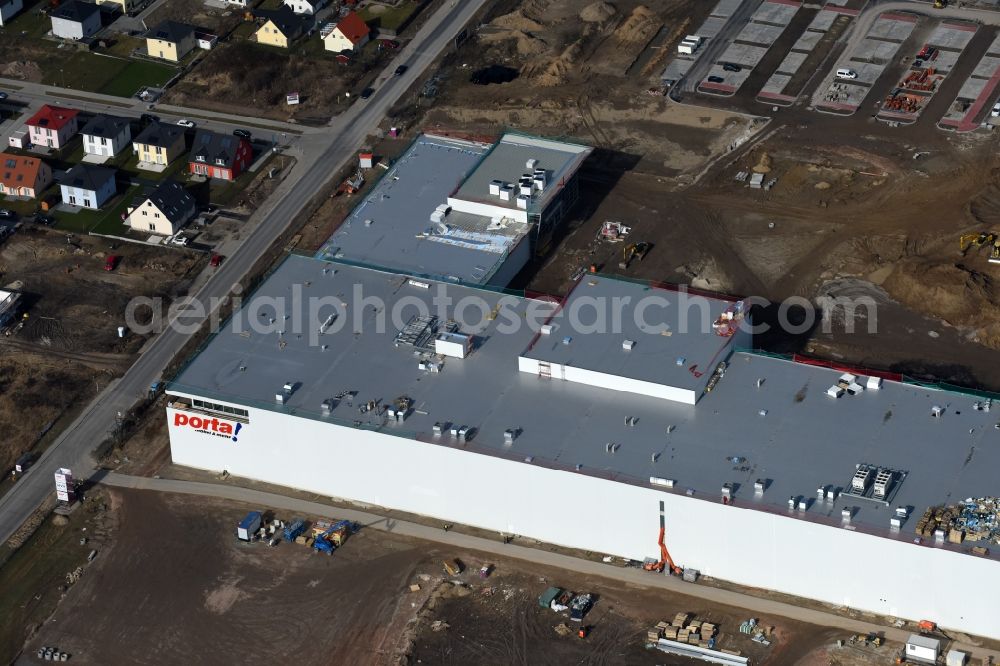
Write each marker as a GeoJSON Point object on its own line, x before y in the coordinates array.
{"type": "Point", "coordinates": [163, 211]}
{"type": "Point", "coordinates": [106, 136]}
{"type": "Point", "coordinates": [76, 20]}
{"type": "Point", "coordinates": [8, 8]}
{"type": "Point", "coordinates": [87, 186]}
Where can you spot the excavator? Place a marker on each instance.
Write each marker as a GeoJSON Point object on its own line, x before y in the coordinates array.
{"type": "Point", "coordinates": [665, 560]}
{"type": "Point", "coordinates": [633, 251]}
{"type": "Point", "coordinates": [987, 238]}
{"type": "Point", "coordinates": [940, 4]}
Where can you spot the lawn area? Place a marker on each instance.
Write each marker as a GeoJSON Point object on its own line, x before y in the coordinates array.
{"type": "Point", "coordinates": [135, 75]}
{"type": "Point", "coordinates": [389, 18]}
{"type": "Point", "coordinates": [108, 220]}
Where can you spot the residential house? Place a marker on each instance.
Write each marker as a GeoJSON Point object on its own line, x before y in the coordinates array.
{"type": "Point", "coordinates": [76, 20]}
{"type": "Point", "coordinates": [52, 126]}
{"type": "Point", "coordinates": [106, 135]}
{"type": "Point", "coordinates": [8, 8]}
{"type": "Point", "coordinates": [305, 6]}
{"type": "Point", "coordinates": [222, 156]}
{"type": "Point", "coordinates": [87, 186]}
{"type": "Point", "coordinates": [282, 27]}
{"type": "Point", "coordinates": [125, 6]}
{"type": "Point", "coordinates": [349, 34]}
{"type": "Point", "coordinates": [164, 211]}
{"type": "Point", "coordinates": [159, 144]}
{"type": "Point", "coordinates": [170, 40]}
{"type": "Point", "coordinates": [22, 176]}
{"type": "Point", "coordinates": [238, 3]}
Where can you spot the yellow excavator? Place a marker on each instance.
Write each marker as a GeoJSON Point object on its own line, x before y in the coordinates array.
{"type": "Point", "coordinates": [633, 251]}
{"type": "Point", "coordinates": [940, 4]}
{"type": "Point", "coordinates": [976, 240]}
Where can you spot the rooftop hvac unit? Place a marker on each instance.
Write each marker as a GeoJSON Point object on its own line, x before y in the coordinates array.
{"type": "Point", "coordinates": [463, 433]}
{"type": "Point", "coordinates": [547, 329]}
{"type": "Point", "coordinates": [495, 186]}
{"type": "Point", "coordinates": [658, 481]}
{"type": "Point", "coordinates": [539, 184]}
{"type": "Point", "coordinates": [509, 435]}
{"type": "Point", "coordinates": [522, 202]}
{"type": "Point", "coordinates": [758, 487]}
{"type": "Point", "coordinates": [883, 483]}
{"type": "Point", "coordinates": [444, 209]}
{"type": "Point", "coordinates": [862, 477]}
{"type": "Point", "coordinates": [438, 429]}
{"type": "Point", "coordinates": [526, 189]}
{"type": "Point", "coordinates": [456, 345]}
{"type": "Point", "coordinates": [831, 494]}
{"type": "Point", "coordinates": [895, 523]}
{"type": "Point", "coordinates": [835, 391]}
{"type": "Point", "coordinates": [874, 383]}
{"type": "Point", "coordinates": [531, 163]}
{"type": "Point", "coordinates": [280, 398]}
{"type": "Point", "coordinates": [505, 192]}
{"type": "Point", "coordinates": [845, 515]}
{"type": "Point", "coordinates": [327, 406]}
{"type": "Point", "coordinates": [937, 411]}
{"type": "Point", "coordinates": [288, 387]}
{"type": "Point", "coordinates": [437, 217]}
{"type": "Point", "coordinates": [628, 344]}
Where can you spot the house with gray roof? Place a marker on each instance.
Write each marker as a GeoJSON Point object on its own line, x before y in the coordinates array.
{"type": "Point", "coordinates": [87, 186]}
{"type": "Point", "coordinates": [76, 20]}
{"type": "Point", "coordinates": [163, 211]}
{"type": "Point", "coordinates": [106, 136]}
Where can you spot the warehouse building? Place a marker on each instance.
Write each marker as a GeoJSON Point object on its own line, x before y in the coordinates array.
{"type": "Point", "coordinates": [765, 472]}
{"type": "Point", "coordinates": [461, 210]}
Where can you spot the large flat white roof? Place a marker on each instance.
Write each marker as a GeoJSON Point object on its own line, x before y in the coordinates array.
{"type": "Point", "coordinates": [767, 419]}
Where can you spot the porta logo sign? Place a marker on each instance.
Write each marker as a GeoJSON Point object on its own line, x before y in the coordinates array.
{"type": "Point", "coordinates": [209, 426]}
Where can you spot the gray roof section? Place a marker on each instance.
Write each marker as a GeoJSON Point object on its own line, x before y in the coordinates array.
{"type": "Point", "coordinates": [786, 431]}
{"type": "Point", "coordinates": [399, 208]}
{"type": "Point", "coordinates": [88, 177]}
{"type": "Point", "coordinates": [508, 162]}
{"type": "Point", "coordinates": [76, 10]}
{"type": "Point", "coordinates": [596, 341]}
{"type": "Point", "coordinates": [175, 202]}
{"type": "Point", "coordinates": [104, 126]}
{"type": "Point", "coordinates": [209, 146]}
{"type": "Point", "coordinates": [159, 134]}
{"type": "Point", "coordinates": [171, 31]}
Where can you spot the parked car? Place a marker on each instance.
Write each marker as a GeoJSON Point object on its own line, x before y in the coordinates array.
{"type": "Point", "coordinates": [715, 79]}
{"type": "Point", "coordinates": [401, 70]}
{"type": "Point", "coordinates": [731, 67]}
{"type": "Point", "coordinates": [184, 122]}
{"type": "Point", "coordinates": [996, 110]}
{"type": "Point", "coordinates": [3, 96]}
{"type": "Point", "coordinates": [844, 73]}
{"type": "Point", "coordinates": [111, 263]}
{"type": "Point", "coordinates": [243, 134]}
{"type": "Point", "coordinates": [178, 240]}
{"type": "Point", "coordinates": [7, 214]}
{"type": "Point", "coordinates": [367, 92]}
{"type": "Point", "coordinates": [216, 260]}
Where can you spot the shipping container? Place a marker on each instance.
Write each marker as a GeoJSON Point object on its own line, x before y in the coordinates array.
{"type": "Point", "coordinates": [248, 527]}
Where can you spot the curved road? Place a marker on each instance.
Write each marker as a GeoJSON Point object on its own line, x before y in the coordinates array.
{"type": "Point", "coordinates": [717, 595]}
{"type": "Point", "coordinates": [322, 156]}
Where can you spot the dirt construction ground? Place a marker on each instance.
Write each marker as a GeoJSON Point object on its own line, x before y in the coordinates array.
{"type": "Point", "coordinates": [859, 209]}
{"type": "Point", "coordinates": [173, 584]}
{"type": "Point", "coordinates": [68, 347]}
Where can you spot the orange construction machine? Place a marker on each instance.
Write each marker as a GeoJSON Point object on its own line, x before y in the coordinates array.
{"type": "Point", "coordinates": [665, 560]}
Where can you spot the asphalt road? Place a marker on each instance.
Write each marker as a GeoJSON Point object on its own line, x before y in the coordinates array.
{"type": "Point", "coordinates": [322, 156]}
{"type": "Point", "coordinates": [629, 576]}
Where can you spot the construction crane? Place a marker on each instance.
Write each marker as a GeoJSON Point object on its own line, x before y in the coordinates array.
{"type": "Point", "coordinates": [665, 560]}
{"type": "Point", "coordinates": [633, 251]}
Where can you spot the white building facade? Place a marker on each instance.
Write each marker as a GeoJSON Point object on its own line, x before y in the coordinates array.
{"type": "Point", "coordinates": [746, 546]}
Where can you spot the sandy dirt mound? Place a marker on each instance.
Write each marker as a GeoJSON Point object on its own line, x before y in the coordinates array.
{"type": "Point", "coordinates": [557, 71]}
{"type": "Point", "coordinates": [599, 12]}
{"type": "Point", "coordinates": [959, 295]}
{"type": "Point", "coordinates": [517, 21]}
{"type": "Point", "coordinates": [24, 70]}
{"type": "Point", "coordinates": [527, 45]}
{"type": "Point", "coordinates": [640, 27]}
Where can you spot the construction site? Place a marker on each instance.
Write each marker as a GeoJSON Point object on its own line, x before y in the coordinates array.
{"type": "Point", "coordinates": [862, 444]}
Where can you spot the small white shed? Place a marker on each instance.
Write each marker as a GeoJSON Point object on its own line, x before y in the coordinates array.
{"type": "Point", "coordinates": [922, 649]}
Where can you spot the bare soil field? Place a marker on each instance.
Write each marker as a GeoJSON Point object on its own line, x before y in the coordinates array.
{"type": "Point", "coordinates": [68, 347]}
{"type": "Point", "coordinates": [171, 583]}
{"type": "Point", "coordinates": [857, 208]}
{"type": "Point", "coordinates": [212, 20]}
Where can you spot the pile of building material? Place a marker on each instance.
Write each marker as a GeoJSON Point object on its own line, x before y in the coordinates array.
{"type": "Point", "coordinates": [937, 518]}
{"type": "Point", "coordinates": [683, 629]}
{"type": "Point", "coordinates": [979, 519]}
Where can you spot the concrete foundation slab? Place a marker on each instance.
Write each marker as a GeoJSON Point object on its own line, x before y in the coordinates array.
{"type": "Point", "coordinates": [759, 33]}
{"type": "Point", "coordinates": [776, 84]}
{"type": "Point", "coordinates": [775, 13]}
{"type": "Point", "coordinates": [725, 8]}
{"type": "Point", "coordinates": [946, 36]}
{"type": "Point", "coordinates": [823, 21]}
{"type": "Point", "coordinates": [874, 51]}
{"type": "Point", "coordinates": [792, 62]}
{"type": "Point", "coordinates": [891, 30]}
{"type": "Point", "coordinates": [808, 41]}
{"type": "Point", "coordinates": [743, 54]}
{"type": "Point", "coordinates": [712, 26]}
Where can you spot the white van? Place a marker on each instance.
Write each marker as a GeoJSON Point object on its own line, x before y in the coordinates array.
{"type": "Point", "coordinates": [844, 73]}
